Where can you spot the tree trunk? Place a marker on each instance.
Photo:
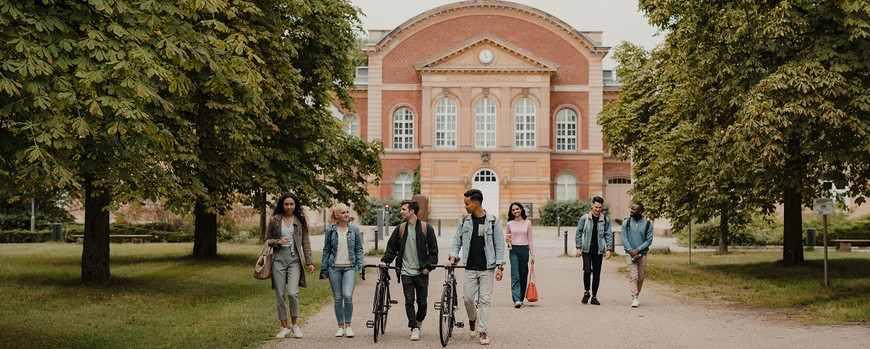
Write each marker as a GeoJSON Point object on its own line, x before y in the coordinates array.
{"type": "Point", "coordinates": [263, 216]}
{"type": "Point", "coordinates": [204, 232]}
{"type": "Point", "coordinates": [792, 251]}
{"type": "Point", "coordinates": [723, 232]}
{"type": "Point", "coordinates": [95, 250]}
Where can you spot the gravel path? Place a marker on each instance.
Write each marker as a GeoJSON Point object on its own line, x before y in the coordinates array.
{"type": "Point", "coordinates": [559, 320]}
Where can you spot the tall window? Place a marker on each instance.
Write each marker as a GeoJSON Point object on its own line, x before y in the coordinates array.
{"type": "Point", "coordinates": [445, 123]}
{"type": "Point", "coordinates": [566, 130]}
{"type": "Point", "coordinates": [351, 124]}
{"type": "Point", "coordinates": [566, 187]}
{"type": "Point", "coordinates": [403, 129]}
{"type": "Point", "coordinates": [524, 124]}
{"type": "Point", "coordinates": [484, 124]}
{"type": "Point", "coordinates": [402, 186]}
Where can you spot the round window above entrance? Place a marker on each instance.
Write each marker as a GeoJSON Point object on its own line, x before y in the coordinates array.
{"type": "Point", "coordinates": [485, 176]}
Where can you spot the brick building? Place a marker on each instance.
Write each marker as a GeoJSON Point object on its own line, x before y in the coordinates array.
{"type": "Point", "coordinates": [490, 95]}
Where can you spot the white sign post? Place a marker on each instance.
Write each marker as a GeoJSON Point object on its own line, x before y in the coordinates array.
{"type": "Point", "coordinates": [824, 207]}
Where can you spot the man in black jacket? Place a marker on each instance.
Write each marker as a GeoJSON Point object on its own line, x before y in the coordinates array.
{"type": "Point", "coordinates": [413, 268]}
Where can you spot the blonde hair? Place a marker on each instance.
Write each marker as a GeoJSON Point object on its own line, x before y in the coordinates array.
{"type": "Point", "coordinates": [332, 218]}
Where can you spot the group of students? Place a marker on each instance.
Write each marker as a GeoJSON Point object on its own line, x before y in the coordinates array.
{"type": "Point", "coordinates": [478, 242]}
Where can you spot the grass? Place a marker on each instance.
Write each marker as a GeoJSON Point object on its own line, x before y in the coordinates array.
{"type": "Point", "coordinates": [757, 280]}
{"type": "Point", "coordinates": [159, 297]}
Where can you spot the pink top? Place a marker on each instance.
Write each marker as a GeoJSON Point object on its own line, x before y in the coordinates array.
{"type": "Point", "coordinates": [521, 234]}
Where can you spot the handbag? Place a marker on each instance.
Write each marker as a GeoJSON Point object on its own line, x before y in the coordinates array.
{"type": "Point", "coordinates": [263, 269]}
{"type": "Point", "coordinates": [531, 290]}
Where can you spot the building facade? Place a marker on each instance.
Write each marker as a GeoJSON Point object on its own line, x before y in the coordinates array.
{"type": "Point", "coordinates": [490, 95]}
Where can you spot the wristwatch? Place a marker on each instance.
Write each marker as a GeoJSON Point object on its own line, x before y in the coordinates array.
{"type": "Point", "coordinates": [500, 268]}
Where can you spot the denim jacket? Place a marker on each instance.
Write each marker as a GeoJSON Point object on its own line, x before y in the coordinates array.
{"type": "Point", "coordinates": [330, 248]}
{"type": "Point", "coordinates": [493, 240]}
{"type": "Point", "coordinates": [583, 235]}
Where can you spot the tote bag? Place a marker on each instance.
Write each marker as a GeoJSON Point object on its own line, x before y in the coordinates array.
{"type": "Point", "coordinates": [532, 290]}
{"type": "Point", "coordinates": [263, 269]}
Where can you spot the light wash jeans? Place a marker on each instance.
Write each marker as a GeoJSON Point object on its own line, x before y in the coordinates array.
{"type": "Point", "coordinates": [342, 280]}
{"type": "Point", "coordinates": [286, 271]}
{"type": "Point", "coordinates": [478, 280]}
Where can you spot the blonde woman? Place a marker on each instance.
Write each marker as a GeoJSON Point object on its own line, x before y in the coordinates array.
{"type": "Point", "coordinates": [342, 261]}
{"type": "Point", "coordinates": [288, 235]}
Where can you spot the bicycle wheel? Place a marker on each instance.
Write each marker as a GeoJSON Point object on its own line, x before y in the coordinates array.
{"type": "Point", "coordinates": [386, 308]}
{"type": "Point", "coordinates": [376, 309]}
{"type": "Point", "coordinates": [445, 323]}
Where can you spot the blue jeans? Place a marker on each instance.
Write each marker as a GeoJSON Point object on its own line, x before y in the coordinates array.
{"type": "Point", "coordinates": [519, 257]}
{"type": "Point", "coordinates": [342, 280]}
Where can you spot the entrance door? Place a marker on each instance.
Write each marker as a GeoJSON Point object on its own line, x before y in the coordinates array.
{"type": "Point", "coordinates": [487, 182]}
{"type": "Point", "coordinates": [616, 195]}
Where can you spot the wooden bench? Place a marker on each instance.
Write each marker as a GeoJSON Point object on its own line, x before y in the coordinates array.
{"type": "Point", "coordinates": [845, 245]}
{"type": "Point", "coordinates": [133, 238]}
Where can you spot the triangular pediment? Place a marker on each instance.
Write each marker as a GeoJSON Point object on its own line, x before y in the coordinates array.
{"type": "Point", "coordinates": [501, 57]}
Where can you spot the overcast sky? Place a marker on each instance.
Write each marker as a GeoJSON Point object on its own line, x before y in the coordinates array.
{"type": "Point", "coordinates": [620, 20]}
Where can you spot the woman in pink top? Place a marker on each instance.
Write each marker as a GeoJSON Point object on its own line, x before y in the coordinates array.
{"type": "Point", "coordinates": [522, 251]}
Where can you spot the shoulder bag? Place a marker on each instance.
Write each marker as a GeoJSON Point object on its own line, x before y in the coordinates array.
{"type": "Point", "coordinates": [263, 269]}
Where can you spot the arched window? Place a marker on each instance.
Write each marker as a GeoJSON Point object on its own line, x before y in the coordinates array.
{"type": "Point", "coordinates": [566, 130]}
{"type": "Point", "coordinates": [351, 124]}
{"type": "Point", "coordinates": [566, 187]}
{"type": "Point", "coordinates": [485, 176]}
{"type": "Point", "coordinates": [619, 181]}
{"type": "Point", "coordinates": [402, 186]}
{"type": "Point", "coordinates": [484, 124]}
{"type": "Point", "coordinates": [524, 124]}
{"type": "Point", "coordinates": [403, 129]}
{"type": "Point", "coordinates": [445, 123]}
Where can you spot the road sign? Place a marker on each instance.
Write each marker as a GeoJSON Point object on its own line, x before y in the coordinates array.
{"type": "Point", "coordinates": [823, 206]}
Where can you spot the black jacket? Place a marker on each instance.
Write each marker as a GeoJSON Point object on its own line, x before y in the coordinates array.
{"type": "Point", "coordinates": [427, 253]}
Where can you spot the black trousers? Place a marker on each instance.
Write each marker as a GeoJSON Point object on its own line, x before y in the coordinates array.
{"type": "Point", "coordinates": [416, 288]}
{"type": "Point", "coordinates": [592, 267]}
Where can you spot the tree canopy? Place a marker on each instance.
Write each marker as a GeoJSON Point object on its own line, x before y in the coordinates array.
{"type": "Point", "coordinates": [746, 104]}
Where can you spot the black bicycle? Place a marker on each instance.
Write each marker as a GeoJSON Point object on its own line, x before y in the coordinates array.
{"type": "Point", "coordinates": [382, 302]}
{"type": "Point", "coordinates": [448, 305]}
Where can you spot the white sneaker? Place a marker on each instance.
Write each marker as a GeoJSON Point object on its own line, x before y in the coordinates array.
{"type": "Point", "coordinates": [339, 332]}
{"type": "Point", "coordinates": [348, 332]}
{"type": "Point", "coordinates": [297, 332]}
{"type": "Point", "coordinates": [473, 329]}
{"type": "Point", "coordinates": [284, 333]}
{"type": "Point", "coordinates": [634, 302]}
{"type": "Point", "coordinates": [415, 334]}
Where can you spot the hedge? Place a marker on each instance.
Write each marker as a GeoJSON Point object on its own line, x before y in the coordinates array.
{"type": "Point", "coordinates": [762, 231]}
{"type": "Point", "coordinates": [569, 211]}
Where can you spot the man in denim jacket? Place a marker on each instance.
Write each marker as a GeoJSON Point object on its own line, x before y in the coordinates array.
{"type": "Point", "coordinates": [594, 241]}
{"type": "Point", "coordinates": [479, 241]}
{"type": "Point", "coordinates": [637, 236]}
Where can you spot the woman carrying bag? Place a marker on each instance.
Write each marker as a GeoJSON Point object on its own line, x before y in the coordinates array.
{"type": "Point", "coordinates": [522, 251]}
{"type": "Point", "coordinates": [287, 234]}
{"type": "Point", "coordinates": [342, 261]}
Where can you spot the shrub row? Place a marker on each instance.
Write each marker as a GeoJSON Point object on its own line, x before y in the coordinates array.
{"type": "Point", "coordinates": [155, 230]}
{"type": "Point", "coordinates": [568, 211]}
{"type": "Point", "coordinates": [762, 231]}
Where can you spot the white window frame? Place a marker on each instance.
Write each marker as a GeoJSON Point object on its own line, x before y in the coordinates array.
{"type": "Point", "coordinates": [566, 130]}
{"type": "Point", "coordinates": [524, 123]}
{"type": "Point", "coordinates": [351, 123]}
{"type": "Point", "coordinates": [484, 124]}
{"type": "Point", "coordinates": [402, 186]}
{"type": "Point", "coordinates": [445, 123]}
{"type": "Point", "coordinates": [566, 187]}
{"type": "Point", "coordinates": [403, 129]}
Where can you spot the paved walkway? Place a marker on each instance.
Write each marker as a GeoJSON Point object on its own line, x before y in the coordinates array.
{"type": "Point", "coordinates": [559, 320]}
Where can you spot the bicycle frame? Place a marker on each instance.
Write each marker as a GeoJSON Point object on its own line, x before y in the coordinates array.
{"type": "Point", "coordinates": [448, 305]}
{"type": "Point", "coordinates": [382, 301]}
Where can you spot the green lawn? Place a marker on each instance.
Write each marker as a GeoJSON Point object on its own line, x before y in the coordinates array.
{"type": "Point", "coordinates": [756, 280]}
{"type": "Point", "coordinates": [159, 298]}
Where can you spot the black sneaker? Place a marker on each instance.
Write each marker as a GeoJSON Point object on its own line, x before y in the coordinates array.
{"type": "Point", "coordinates": [595, 301]}
{"type": "Point", "coordinates": [585, 298]}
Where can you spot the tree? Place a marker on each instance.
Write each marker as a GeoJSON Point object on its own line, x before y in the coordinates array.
{"type": "Point", "coordinates": [781, 88]}
{"type": "Point", "coordinates": [87, 100]}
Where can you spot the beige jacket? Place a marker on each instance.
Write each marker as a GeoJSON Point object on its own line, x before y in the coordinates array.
{"type": "Point", "coordinates": [300, 237]}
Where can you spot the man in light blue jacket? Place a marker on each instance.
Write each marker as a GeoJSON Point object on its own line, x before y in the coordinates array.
{"type": "Point", "coordinates": [479, 241]}
{"type": "Point", "coordinates": [637, 236]}
{"type": "Point", "coordinates": [594, 242]}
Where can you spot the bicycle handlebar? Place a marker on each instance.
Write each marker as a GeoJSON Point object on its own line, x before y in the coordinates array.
{"type": "Point", "coordinates": [384, 267]}
{"type": "Point", "coordinates": [450, 266]}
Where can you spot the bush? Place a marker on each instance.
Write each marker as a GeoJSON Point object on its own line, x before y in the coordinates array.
{"type": "Point", "coordinates": [763, 231]}
{"type": "Point", "coordinates": [375, 204]}
{"type": "Point", "coordinates": [570, 211]}
{"type": "Point", "coordinates": [15, 215]}
{"type": "Point", "coordinates": [24, 235]}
